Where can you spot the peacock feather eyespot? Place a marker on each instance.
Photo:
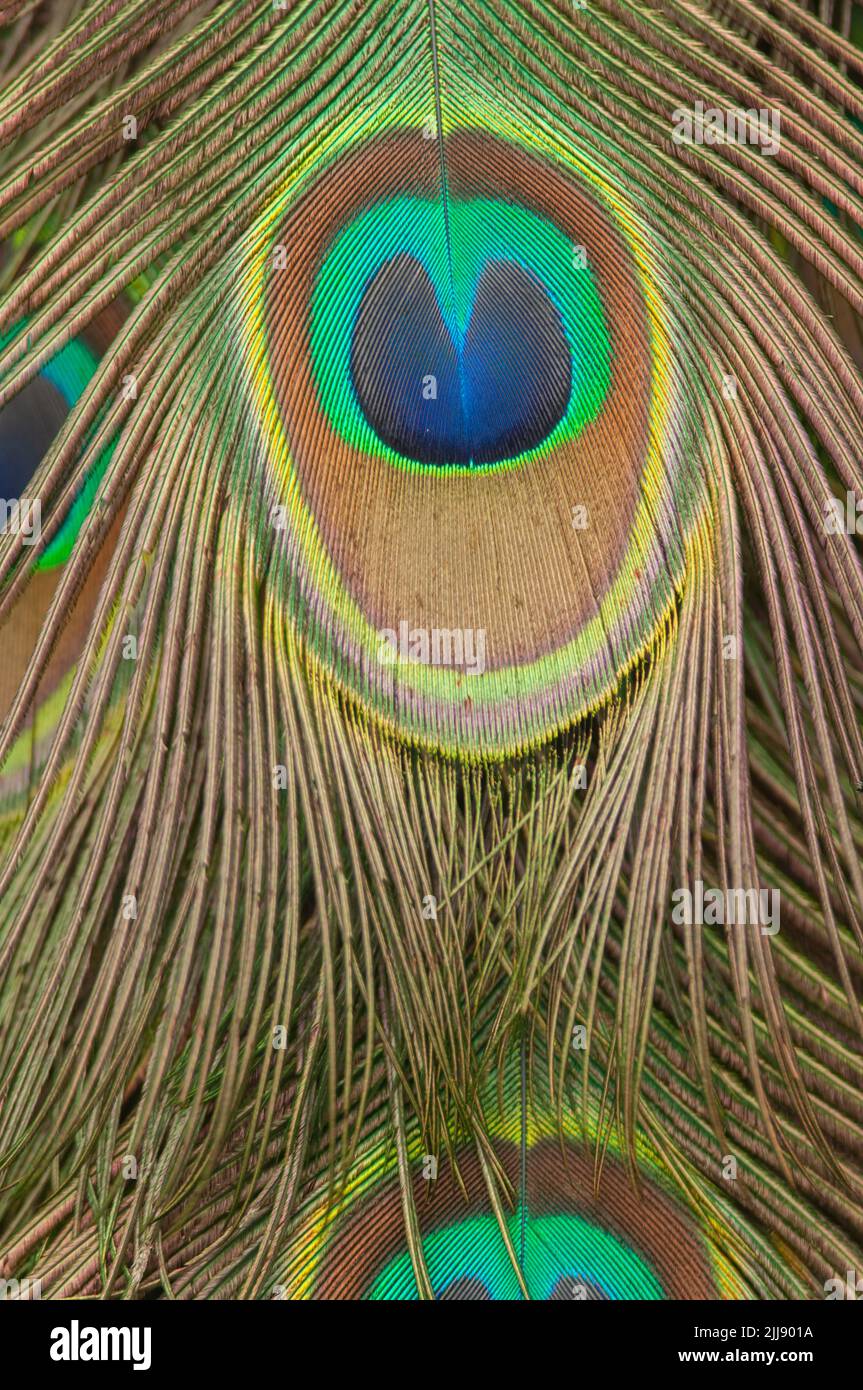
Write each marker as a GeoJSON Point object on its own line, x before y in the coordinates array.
{"type": "Point", "coordinates": [477, 366]}
{"type": "Point", "coordinates": [571, 1233]}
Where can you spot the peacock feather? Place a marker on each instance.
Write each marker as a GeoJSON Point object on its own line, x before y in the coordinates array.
{"type": "Point", "coordinates": [431, 614]}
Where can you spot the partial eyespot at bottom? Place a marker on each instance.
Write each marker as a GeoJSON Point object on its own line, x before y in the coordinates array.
{"type": "Point", "coordinates": [569, 1240]}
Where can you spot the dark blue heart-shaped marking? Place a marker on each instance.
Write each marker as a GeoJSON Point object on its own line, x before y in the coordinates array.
{"type": "Point", "coordinates": [496, 395]}
{"type": "Point", "coordinates": [28, 424]}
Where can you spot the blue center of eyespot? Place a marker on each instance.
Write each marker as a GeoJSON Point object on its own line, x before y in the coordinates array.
{"type": "Point", "coordinates": [488, 395]}
{"type": "Point", "coordinates": [475, 337]}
